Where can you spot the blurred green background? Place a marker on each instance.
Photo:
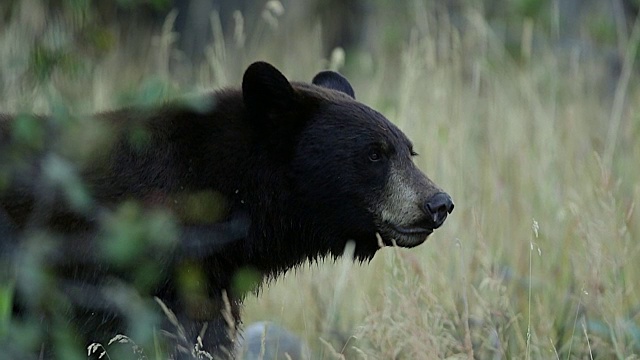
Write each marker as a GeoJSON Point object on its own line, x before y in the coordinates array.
{"type": "Point", "coordinates": [525, 111]}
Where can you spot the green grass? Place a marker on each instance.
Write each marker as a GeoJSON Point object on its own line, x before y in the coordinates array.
{"type": "Point", "coordinates": [540, 257]}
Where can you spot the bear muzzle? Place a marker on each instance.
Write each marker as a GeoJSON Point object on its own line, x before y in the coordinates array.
{"type": "Point", "coordinates": [436, 209]}
{"type": "Point", "coordinates": [434, 212]}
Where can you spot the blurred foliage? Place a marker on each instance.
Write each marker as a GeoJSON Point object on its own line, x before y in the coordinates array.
{"type": "Point", "coordinates": [246, 280]}
{"type": "Point", "coordinates": [28, 131]}
{"type": "Point", "coordinates": [531, 8]}
{"type": "Point", "coordinates": [154, 4]}
{"type": "Point", "coordinates": [7, 287]}
{"type": "Point", "coordinates": [45, 61]}
{"type": "Point", "coordinates": [202, 207]}
{"type": "Point", "coordinates": [132, 234]}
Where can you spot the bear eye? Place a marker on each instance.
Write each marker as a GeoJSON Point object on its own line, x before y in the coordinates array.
{"type": "Point", "coordinates": [375, 155]}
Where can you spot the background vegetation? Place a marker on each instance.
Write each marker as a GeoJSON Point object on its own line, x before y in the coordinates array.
{"type": "Point", "coordinates": [535, 138]}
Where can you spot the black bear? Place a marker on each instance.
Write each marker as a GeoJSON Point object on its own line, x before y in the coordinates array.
{"type": "Point", "coordinates": [300, 170]}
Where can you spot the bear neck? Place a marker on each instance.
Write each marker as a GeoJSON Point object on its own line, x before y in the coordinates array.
{"type": "Point", "coordinates": [222, 150]}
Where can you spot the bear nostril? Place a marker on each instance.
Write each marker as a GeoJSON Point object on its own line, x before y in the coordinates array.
{"type": "Point", "coordinates": [437, 208]}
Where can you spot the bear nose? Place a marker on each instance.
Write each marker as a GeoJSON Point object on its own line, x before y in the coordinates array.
{"type": "Point", "coordinates": [437, 207]}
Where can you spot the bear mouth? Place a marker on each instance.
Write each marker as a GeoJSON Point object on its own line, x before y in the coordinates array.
{"type": "Point", "coordinates": [404, 236]}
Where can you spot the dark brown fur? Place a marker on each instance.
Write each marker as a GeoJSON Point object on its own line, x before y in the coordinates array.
{"type": "Point", "coordinates": [288, 163]}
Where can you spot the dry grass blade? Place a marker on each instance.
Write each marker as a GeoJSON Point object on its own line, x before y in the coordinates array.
{"type": "Point", "coordinates": [617, 110]}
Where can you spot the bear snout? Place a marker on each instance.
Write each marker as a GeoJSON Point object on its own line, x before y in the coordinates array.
{"type": "Point", "coordinates": [436, 208]}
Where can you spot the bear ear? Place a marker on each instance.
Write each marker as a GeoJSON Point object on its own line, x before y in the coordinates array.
{"type": "Point", "coordinates": [333, 80]}
{"type": "Point", "coordinates": [265, 91]}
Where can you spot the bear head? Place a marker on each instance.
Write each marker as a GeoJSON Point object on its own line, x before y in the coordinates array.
{"type": "Point", "coordinates": [349, 170]}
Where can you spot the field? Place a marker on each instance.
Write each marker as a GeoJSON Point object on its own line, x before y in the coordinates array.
{"type": "Point", "coordinates": [539, 151]}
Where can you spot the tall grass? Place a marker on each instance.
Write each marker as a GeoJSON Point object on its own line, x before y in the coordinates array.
{"type": "Point", "coordinates": [538, 260]}
{"type": "Point", "coordinates": [539, 257]}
